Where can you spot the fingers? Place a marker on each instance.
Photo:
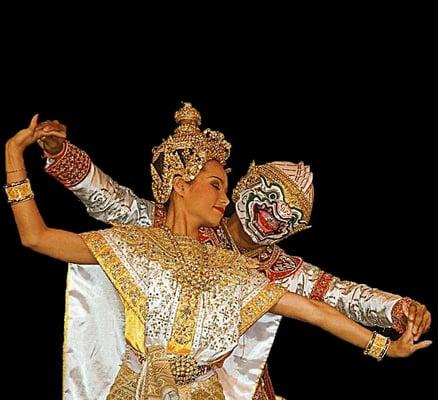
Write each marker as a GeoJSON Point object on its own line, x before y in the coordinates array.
{"type": "Point", "coordinates": [51, 132]}
{"type": "Point", "coordinates": [47, 130]}
{"type": "Point", "coordinates": [418, 314]}
{"type": "Point", "coordinates": [56, 127]}
{"type": "Point", "coordinates": [51, 125]}
{"type": "Point", "coordinates": [428, 322]}
{"type": "Point", "coordinates": [421, 345]}
{"type": "Point", "coordinates": [414, 316]}
{"type": "Point", "coordinates": [43, 135]}
{"type": "Point", "coordinates": [424, 325]}
{"type": "Point", "coordinates": [408, 336]}
{"type": "Point", "coordinates": [405, 308]}
{"type": "Point", "coordinates": [33, 122]}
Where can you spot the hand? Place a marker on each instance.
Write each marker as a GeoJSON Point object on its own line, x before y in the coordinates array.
{"type": "Point", "coordinates": [420, 317]}
{"type": "Point", "coordinates": [50, 143]}
{"type": "Point", "coordinates": [25, 137]}
{"type": "Point", "coordinates": [404, 346]}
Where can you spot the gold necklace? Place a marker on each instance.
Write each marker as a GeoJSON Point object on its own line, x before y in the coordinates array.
{"type": "Point", "coordinates": [192, 257]}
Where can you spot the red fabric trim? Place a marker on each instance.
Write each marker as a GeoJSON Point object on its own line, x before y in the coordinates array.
{"type": "Point", "coordinates": [71, 166]}
{"type": "Point", "coordinates": [159, 215]}
{"type": "Point", "coordinates": [321, 287]}
{"type": "Point", "coordinates": [277, 265]}
{"type": "Point", "coordinates": [208, 235]}
{"type": "Point", "coordinates": [217, 236]}
{"type": "Point", "coordinates": [399, 319]}
{"type": "Point", "coordinates": [283, 269]}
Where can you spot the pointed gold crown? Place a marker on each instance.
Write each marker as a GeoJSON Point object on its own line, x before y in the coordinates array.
{"type": "Point", "coordinates": [185, 152]}
{"type": "Point", "coordinates": [295, 179]}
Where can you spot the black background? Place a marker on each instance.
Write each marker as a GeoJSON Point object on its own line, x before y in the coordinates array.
{"type": "Point", "coordinates": [360, 119]}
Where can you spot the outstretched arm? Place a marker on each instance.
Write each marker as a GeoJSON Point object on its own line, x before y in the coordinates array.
{"type": "Point", "coordinates": [328, 318]}
{"type": "Point", "coordinates": [103, 197]}
{"type": "Point", "coordinates": [59, 244]}
{"type": "Point", "coordinates": [366, 305]}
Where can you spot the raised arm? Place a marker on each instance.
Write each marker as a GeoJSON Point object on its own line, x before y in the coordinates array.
{"type": "Point", "coordinates": [59, 244]}
{"type": "Point", "coordinates": [103, 197]}
{"type": "Point", "coordinates": [366, 305]}
{"type": "Point", "coordinates": [328, 318]}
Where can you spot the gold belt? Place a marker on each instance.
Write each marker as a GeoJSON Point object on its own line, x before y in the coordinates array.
{"type": "Point", "coordinates": [184, 368]}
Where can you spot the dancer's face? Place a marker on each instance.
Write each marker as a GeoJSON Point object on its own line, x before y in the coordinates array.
{"type": "Point", "coordinates": [265, 215]}
{"type": "Point", "coordinates": [206, 197]}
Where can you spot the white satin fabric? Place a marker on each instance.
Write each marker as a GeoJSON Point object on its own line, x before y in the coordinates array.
{"type": "Point", "coordinates": [94, 342]}
{"type": "Point", "coordinates": [242, 369]}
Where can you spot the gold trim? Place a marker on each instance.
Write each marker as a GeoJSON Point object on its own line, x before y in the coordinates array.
{"type": "Point", "coordinates": [184, 327]}
{"type": "Point", "coordinates": [259, 305]}
{"type": "Point", "coordinates": [118, 273]}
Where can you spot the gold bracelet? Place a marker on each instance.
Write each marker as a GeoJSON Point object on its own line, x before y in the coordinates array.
{"type": "Point", "coordinates": [19, 191]}
{"type": "Point", "coordinates": [377, 346]}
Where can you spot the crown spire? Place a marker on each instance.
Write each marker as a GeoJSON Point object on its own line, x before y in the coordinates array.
{"type": "Point", "coordinates": [185, 152]}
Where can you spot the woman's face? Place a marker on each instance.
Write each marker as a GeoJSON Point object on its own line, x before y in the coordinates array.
{"type": "Point", "coordinates": [206, 197]}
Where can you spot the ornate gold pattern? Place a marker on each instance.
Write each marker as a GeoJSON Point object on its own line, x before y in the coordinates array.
{"type": "Point", "coordinates": [183, 331]}
{"type": "Point", "coordinates": [117, 272]}
{"type": "Point", "coordinates": [196, 265]}
{"type": "Point", "coordinates": [185, 152]}
{"type": "Point", "coordinates": [259, 305]}
{"type": "Point", "coordinates": [377, 346]}
{"type": "Point", "coordinates": [159, 375]}
{"type": "Point", "coordinates": [19, 191]}
{"type": "Point", "coordinates": [294, 195]}
{"type": "Point", "coordinates": [187, 259]}
{"type": "Point", "coordinates": [164, 373]}
{"type": "Point", "coordinates": [185, 369]}
{"type": "Point", "coordinates": [192, 261]}
{"type": "Point", "coordinates": [125, 384]}
{"type": "Point", "coordinates": [136, 257]}
{"type": "Point", "coordinates": [210, 389]}
{"type": "Point", "coordinates": [197, 268]}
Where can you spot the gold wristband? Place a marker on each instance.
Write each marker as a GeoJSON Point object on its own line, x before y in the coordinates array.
{"type": "Point", "coordinates": [19, 191]}
{"type": "Point", "coordinates": [377, 346]}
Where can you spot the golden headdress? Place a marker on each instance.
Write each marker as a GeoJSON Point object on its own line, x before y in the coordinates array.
{"type": "Point", "coordinates": [185, 152]}
{"type": "Point", "coordinates": [295, 179]}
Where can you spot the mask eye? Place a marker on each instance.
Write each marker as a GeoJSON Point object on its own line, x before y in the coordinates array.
{"type": "Point", "coordinates": [295, 217]}
{"type": "Point", "coordinates": [272, 196]}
